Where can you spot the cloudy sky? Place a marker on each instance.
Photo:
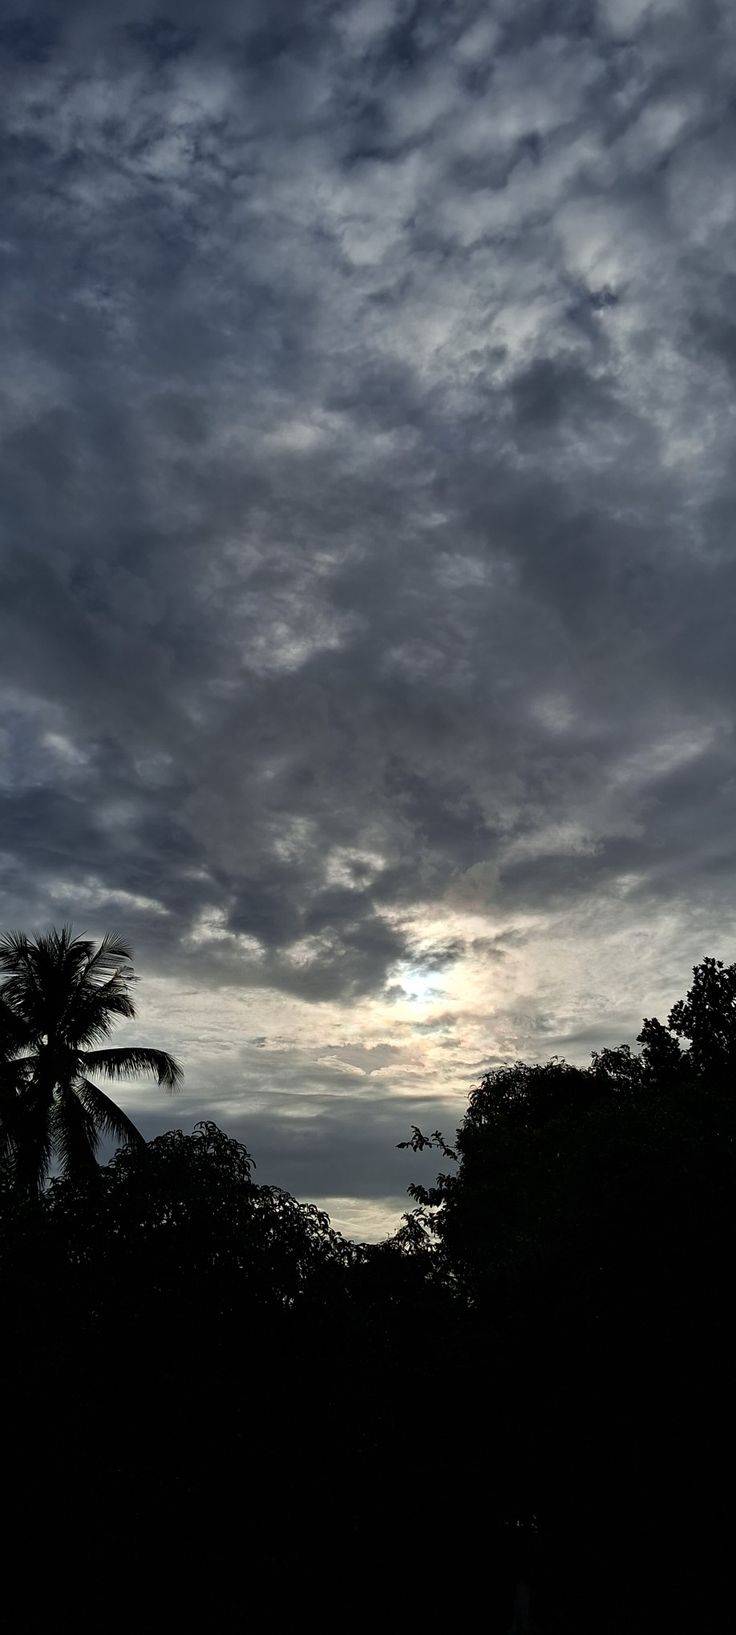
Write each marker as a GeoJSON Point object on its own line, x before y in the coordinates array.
{"type": "Point", "coordinates": [367, 586]}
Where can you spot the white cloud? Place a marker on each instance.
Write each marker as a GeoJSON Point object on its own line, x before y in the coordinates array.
{"type": "Point", "coordinates": [367, 21]}
{"type": "Point", "coordinates": [364, 1220]}
{"type": "Point", "coordinates": [623, 19]}
{"type": "Point", "coordinates": [91, 894]}
{"type": "Point", "coordinates": [477, 43]}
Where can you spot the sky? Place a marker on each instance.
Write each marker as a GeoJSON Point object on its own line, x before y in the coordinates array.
{"type": "Point", "coordinates": [367, 582]}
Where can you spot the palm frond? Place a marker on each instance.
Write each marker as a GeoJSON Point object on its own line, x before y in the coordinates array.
{"type": "Point", "coordinates": [14, 951]}
{"type": "Point", "coordinates": [101, 985]}
{"type": "Point", "coordinates": [9, 1119]}
{"type": "Point", "coordinates": [15, 1104]}
{"type": "Point", "coordinates": [67, 961]}
{"type": "Point", "coordinates": [91, 1016]}
{"type": "Point", "coordinates": [108, 1117]}
{"type": "Point", "coordinates": [27, 1142]}
{"type": "Point", "coordinates": [14, 1031]}
{"type": "Point", "coordinates": [57, 959]}
{"type": "Point", "coordinates": [17, 1073]}
{"type": "Point", "coordinates": [22, 992]}
{"type": "Point", "coordinates": [126, 1062]}
{"type": "Point", "coordinates": [42, 972]}
{"type": "Point", "coordinates": [61, 949]}
{"type": "Point", "coordinates": [112, 958]}
{"type": "Point", "coordinates": [59, 997]}
{"type": "Point", "coordinates": [74, 1136]}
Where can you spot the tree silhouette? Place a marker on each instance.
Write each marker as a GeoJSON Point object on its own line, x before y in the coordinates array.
{"type": "Point", "coordinates": [58, 1002]}
{"type": "Point", "coordinates": [706, 1018]}
{"type": "Point", "coordinates": [550, 1330]}
{"type": "Point", "coordinates": [589, 1224]}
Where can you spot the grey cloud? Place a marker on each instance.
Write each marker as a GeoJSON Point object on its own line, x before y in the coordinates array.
{"type": "Point", "coordinates": [366, 465]}
{"type": "Point", "coordinates": [307, 1155]}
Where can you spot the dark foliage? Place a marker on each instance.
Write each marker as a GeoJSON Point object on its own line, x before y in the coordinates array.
{"type": "Point", "coordinates": [589, 1223]}
{"type": "Point", "coordinates": [519, 1407]}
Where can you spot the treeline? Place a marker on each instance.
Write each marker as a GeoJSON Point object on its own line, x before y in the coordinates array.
{"type": "Point", "coordinates": [519, 1408]}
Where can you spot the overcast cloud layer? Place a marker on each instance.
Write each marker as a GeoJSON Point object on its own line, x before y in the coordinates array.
{"type": "Point", "coordinates": [367, 585]}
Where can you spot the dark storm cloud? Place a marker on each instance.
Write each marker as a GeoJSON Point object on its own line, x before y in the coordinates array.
{"type": "Point", "coordinates": [366, 464]}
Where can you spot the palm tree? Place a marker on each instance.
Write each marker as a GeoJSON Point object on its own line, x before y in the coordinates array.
{"type": "Point", "coordinates": [57, 1005]}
